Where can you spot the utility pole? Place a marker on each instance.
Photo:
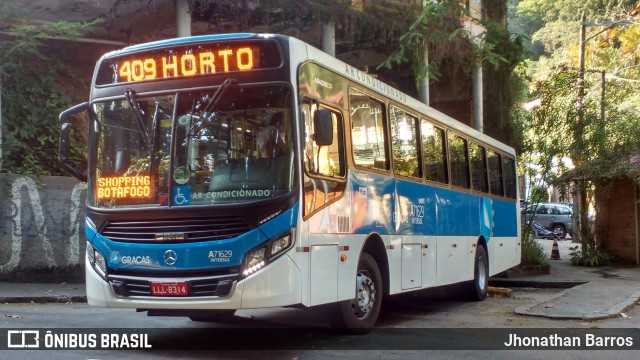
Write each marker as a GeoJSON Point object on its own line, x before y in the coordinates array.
{"type": "Point", "coordinates": [580, 195]}
{"type": "Point", "coordinates": [577, 191]}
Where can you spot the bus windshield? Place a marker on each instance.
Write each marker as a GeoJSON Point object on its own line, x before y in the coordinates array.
{"type": "Point", "coordinates": [226, 145]}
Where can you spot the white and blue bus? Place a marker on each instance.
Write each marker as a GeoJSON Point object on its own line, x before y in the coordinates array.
{"type": "Point", "coordinates": [245, 171]}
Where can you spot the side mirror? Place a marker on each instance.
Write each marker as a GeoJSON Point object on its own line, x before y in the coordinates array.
{"type": "Point", "coordinates": [65, 131]}
{"type": "Point", "coordinates": [323, 127]}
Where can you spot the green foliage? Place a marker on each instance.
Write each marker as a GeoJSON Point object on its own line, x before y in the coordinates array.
{"type": "Point", "coordinates": [591, 256]}
{"type": "Point", "coordinates": [555, 23]}
{"type": "Point", "coordinates": [358, 24]}
{"type": "Point", "coordinates": [532, 251]}
{"type": "Point", "coordinates": [438, 27]}
{"type": "Point", "coordinates": [600, 131]}
{"type": "Point", "coordinates": [539, 194]}
{"type": "Point", "coordinates": [36, 87]}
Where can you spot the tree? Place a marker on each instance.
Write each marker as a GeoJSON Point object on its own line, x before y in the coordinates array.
{"type": "Point", "coordinates": [439, 26]}
{"type": "Point", "coordinates": [597, 134]}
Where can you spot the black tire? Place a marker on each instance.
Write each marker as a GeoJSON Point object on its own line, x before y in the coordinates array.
{"type": "Point", "coordinates": [477, 289]}
{"type": "Point", "coordinates": [213, 316]}
{"type": "Point", "coordinates": [359, 315]}
{"type": "Point", "coordinates": [559, 230]}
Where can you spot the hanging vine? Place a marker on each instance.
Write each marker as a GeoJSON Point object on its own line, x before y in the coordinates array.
{"type": "Point", "coordinates": [36, 86]}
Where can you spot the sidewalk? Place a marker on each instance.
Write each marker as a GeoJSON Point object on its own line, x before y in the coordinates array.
{"type": "Point", "coordinates": [42, 292]}
{"type": "Point", "coordinates": [589, 293]}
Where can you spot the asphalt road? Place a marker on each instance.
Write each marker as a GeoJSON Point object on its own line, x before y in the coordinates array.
{"type": "Point", "coordinates": [413, 326]}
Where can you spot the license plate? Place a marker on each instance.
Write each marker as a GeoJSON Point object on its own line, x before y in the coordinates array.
{"type": "Point", "coordinates": [178, 288]}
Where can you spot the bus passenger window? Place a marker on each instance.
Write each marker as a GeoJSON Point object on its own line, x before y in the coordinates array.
{"type": "Point", "coordinates": [509, 168]}
{"type": "Point", "coordinates": [459, 161]}
{"type": "Point", "coordinates": [495, 173]}
{"type": "Point", "coordinates": [406, 154]}
{"type": "Point", "coordinates": [478, 159]}
{"type": "Point", "coordinates": [433, 150]}
{"type": "Point", "coordinates": [322, 161]}
{"type": "Point", "coordinates": [368, 133]}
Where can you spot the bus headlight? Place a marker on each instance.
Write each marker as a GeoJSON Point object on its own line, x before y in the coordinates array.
{"type": "Point", "coordinates": [280, 245]}
{"type": "Point", "coordinates": [257, 258]}
{"type": "Point", "coordinates": [97, 261]}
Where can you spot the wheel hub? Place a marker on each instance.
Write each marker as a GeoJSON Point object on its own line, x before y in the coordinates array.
{"type": "Point", "coordinates": [365, 296]}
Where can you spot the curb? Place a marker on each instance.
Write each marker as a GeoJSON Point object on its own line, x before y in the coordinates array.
{"type": "Point", "coordinates": [60, 299]}
{"type": "Point", "coordinates": [559, 284]}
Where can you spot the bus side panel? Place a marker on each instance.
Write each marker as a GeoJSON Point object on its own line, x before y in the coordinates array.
{"type": "Point", "coordinates": [330, 278]}
{"type": "Point", "coordinates": [415, 220]}
{"type": "Point", "coordinates": [458, 229]}
{"type": "Point", "coordinates": [372, 213]}
{"type": "Point", "coordinates": [504, 246]}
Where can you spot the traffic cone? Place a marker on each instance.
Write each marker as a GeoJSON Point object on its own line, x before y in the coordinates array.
{"type": "Point", "coordinates": [555, 252]}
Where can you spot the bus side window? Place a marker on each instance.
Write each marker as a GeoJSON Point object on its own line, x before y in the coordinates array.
{"type": "Point", "coordinates": [433, 150]}
{"type": "Point", "coordinates": [326, 160]}
{"type": "Point", "coordinates": [509, 173]}
{"type": "Point", "coordinates": [495, 173]}
{"type": "Point", "coordinates": [322, 161]}
{"type": "Point", "coordinates": [406, 153]}
{"type": "Point", "coordinates": [459, 156]}
{"type": "Point", "coordinates": [368, 134]}
{"type": "Point", "coordinates": [478, 161]}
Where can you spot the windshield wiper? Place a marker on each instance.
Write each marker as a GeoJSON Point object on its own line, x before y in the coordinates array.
{"type": "Point", "coordinates": [133, 104]}
{"type": "Point", "coordinates": [155, 158]}
{"type": "Point", "coordinates": [212, 105]}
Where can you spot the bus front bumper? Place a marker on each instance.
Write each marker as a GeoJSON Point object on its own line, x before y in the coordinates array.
{"type": "Point", "coordinates": [278, 284]}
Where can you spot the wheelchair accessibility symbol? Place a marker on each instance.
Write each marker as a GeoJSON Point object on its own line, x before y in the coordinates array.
{"type": "Point", "coordinates": [181, 196]}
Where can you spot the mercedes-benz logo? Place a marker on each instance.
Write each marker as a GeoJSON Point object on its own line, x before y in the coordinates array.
{"type": "Point", "coordinates": [170, 257]}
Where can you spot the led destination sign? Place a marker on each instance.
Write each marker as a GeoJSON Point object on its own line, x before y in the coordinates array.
{"type": "Point", "coordinates": [208, 59]}
{"type": "Point", "coordinates": [124, 187]}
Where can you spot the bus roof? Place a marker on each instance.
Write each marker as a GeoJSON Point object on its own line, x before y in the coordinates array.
{"type": "Point", "coordinates": [188, 40]}
{"type": "Point", "coordinates": [314, 54]}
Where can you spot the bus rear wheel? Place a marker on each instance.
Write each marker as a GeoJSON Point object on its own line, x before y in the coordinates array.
{"type": "Point", "coordinates": [477, 290]}
{"type": "Point", "coordinates": [359, 315]}
{"type": "Point", "coordinates": [213, 316]}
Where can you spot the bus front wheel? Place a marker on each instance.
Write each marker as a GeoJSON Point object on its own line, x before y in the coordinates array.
{"type": "Point", "coordinates": [359, 315]}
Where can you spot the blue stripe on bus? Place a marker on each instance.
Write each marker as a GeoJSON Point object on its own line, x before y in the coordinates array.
{"type": "Point", "coordinates": [426, 210]}
{"type": "Point", "coordinates": [192, 255]}
{"type": "Point", "coordinates": [187, 40]}
{"type": "Point", "coordinates": [504, 219]}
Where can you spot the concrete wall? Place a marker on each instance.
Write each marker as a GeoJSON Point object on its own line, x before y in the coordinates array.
{"type": "Point", "coordinates": [41, 229]}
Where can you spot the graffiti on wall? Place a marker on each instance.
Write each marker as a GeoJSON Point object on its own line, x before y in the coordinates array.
{"type": "Point", "coordinates": [40, 227]}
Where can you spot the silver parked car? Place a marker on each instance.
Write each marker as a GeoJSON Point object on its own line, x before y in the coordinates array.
{"type": "Point", "coordinates": [556, 217]}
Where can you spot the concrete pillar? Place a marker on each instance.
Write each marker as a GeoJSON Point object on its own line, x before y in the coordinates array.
{"type": "Point", "coordinates": [329, 37]}
{"type": "Point", "coordinates": [478, 120]}
{"type": "Point", "coordinates": [183, 18]}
